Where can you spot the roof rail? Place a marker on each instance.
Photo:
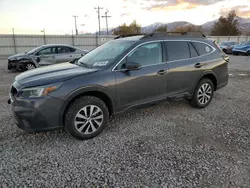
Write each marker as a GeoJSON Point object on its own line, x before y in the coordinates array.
{"type": "Point", "coordinates": [129, 35]}
{"type": "Point", "coordinates": [162, 34]}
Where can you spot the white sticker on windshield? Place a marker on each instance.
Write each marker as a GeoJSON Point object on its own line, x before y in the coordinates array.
{"type": "Point", "coordinates": [100, 63]}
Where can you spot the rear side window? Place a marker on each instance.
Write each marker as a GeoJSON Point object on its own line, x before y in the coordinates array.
{"type": "Point", "coordinates": [177, 50]}
{"type": "Point", "coordinates": [63, 50]}
{"type": "Point", "coordinates": [202, 48]}
{"type": "Point", "coordinates": [193, 51]}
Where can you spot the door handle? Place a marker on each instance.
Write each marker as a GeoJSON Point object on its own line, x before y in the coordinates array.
{"type": "Point", "coordinates": [161, 72]}
{"type": "Point", "coordinates": [70, 56]}
{"type": "Point", "coordinates": [198, 65]}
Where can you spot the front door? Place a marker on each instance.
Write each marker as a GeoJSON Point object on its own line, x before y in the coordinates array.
{"type": "Point", "coordinates": [146, 84]}
{"type": "Point", "coordinates": [46, 56]}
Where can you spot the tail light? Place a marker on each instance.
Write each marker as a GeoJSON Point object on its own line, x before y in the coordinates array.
{"type": "Point", "coordinates": [224, 56]}
{"type": "Point", "coordinates": [217, 47]}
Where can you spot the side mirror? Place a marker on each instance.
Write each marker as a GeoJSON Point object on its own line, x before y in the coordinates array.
{"type": "Point", "coordinates": [38, 59]}
{"type": "Point", "coordinates": [132, 66]}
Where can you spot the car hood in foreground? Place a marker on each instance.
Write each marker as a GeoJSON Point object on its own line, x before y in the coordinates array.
{"type": "Point", "coordinates": [51, 74]}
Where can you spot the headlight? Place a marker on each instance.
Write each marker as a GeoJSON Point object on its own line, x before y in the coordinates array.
{"type": "Point", "coordinates": [35, 92]}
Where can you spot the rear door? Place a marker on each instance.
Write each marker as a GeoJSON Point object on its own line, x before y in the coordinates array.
{"type": "Point", "coordinates": [64, 54]}
{"type": "Point", "coordinates": [184, 67]}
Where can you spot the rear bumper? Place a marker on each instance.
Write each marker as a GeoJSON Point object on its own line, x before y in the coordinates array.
{"type": "Point", "coordinates": [37, 115]}
{"type": "Point", "coordinates": [222, 85]}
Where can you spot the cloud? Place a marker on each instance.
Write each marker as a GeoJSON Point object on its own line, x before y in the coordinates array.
{"type": "Point", "coordinates": [155, 5]}
{"type": "Point", "coordinates": [241, 11]}
{"type": "Point", "coordinates": [124, 14]}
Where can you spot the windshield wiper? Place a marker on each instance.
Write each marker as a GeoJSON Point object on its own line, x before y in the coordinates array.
{"type": "Point", "coordinates": [83, 64]}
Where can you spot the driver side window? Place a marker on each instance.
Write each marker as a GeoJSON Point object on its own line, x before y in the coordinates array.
{"type": "Point", "coordinates": [47, 51]}
{"type": "Point", "coordinates": [145, 55]}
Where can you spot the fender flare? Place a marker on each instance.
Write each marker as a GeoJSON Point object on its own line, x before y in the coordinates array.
{"type": "Point", "coordinates": [81, 91]}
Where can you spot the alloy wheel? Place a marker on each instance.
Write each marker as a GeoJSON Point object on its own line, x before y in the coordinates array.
{"type": "Point", "coordinates": [30, 66]}
{"type": "Point", "coordinates": [204, 94]}
{"type": "Point", "coordinates": [88, 119]}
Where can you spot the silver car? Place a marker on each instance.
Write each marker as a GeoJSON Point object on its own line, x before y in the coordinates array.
{"type": "Point", "coordinates": [45, 55]}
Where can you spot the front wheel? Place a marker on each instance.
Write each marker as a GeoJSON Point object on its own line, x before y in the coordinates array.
{"type": "Point", "coordinates": [30, 66]}
{"type": "Point", "coordinates": [86, 117]}
{"type": "Point", "coordinates": [203, 94]}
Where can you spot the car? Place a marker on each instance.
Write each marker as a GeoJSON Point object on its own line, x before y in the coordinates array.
{"type": "Point", "coordinates": [243, 48]}
{"type": "Point", "coordinates": [44, 55]}
{"type": "Point", "coordinates": [227, 47]}
{"type": "Point", "coordinates": [124, 73]}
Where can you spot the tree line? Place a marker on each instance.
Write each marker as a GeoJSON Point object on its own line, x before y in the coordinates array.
{"type": "Point", "coordinates": [225, 26]}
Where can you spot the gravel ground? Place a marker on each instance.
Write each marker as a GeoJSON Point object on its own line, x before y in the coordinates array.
{"type": "Point", "coordinates": [165, 145]}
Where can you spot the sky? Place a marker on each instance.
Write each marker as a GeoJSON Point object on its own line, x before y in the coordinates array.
{"type": "Point", "coordinates": [55, 16]}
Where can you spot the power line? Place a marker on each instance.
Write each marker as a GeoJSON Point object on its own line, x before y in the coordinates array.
{"type": "Point", "coordinates": [99, 22]}
{"type": "Point", "coordinates": [106, 16]}
{"type": "Point", "coordinates": [75, 24]}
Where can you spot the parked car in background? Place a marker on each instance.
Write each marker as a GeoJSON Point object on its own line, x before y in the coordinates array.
{"type": "Point", "coordinates": [44, 55]}
{"type": "Point", "coordinates": [119, 75]}
{"type": "Point", "coordinates": [227, 47]}
{"type": "Point", "coordinates": [243, 48]}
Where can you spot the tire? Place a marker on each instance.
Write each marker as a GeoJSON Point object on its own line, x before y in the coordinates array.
{"type": "Point", "coordinates": [30, 66]}
{"type": "Point", "coordinates": [248, 53]}
{"type": "Point", "coordinates": [78, 120]}
{"type": "Point", "coordinates": [202, 101]}
{"type": "Point", "coordinates": [225, 51]}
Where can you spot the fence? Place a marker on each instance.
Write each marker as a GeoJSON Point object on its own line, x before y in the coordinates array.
{"type": "Point", "coordinates": [12, 44]}
{"type": "Point", "coordinates": [229, 38]}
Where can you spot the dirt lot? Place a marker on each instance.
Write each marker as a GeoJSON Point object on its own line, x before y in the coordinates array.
{"type": "Point", "coordinates": [166, 145]}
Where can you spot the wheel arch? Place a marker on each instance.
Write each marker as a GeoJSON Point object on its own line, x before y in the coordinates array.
{"type": "Point", "coordinates": [211, 76]}
{"type": "Point", "coordinates": [96, 91]}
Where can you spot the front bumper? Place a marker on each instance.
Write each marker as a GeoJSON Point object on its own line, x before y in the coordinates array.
{"type": "Point", "coordinates": [36, 115]}
{"type": "Point", "coordinates": [11, 65]}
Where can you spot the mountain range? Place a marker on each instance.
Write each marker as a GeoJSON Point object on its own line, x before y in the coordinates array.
{"type": "Point", "coordinates": [244, 24]}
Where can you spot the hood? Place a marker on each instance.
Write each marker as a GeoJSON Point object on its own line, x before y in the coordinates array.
{"type": "Point", "coordinates": [19, 56]}
{"type": "Point", "coordinates": [51, 74]}
{"type": "Point", "coordinates": [242, 46]}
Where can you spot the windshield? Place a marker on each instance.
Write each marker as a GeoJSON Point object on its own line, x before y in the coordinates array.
{"type": "Point", "coordinates": [34, 50]}
{"type": "Point", "coordinates": [104, 54]}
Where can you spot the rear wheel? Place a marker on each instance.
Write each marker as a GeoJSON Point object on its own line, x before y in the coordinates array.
{"type": "Point", "coordinates": [86, 117]}
{"type": "Point", "coordinates": [203, 94]}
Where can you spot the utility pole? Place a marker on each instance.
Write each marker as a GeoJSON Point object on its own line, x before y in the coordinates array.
{"type": "Point", "coordinates": [75, 24]}
{"type": "Point", "coordinates": [106, 16]}
{"type": "Point", "coordinates": [99, 22]}
{"type": "Point", "coordinates": [44, 38]}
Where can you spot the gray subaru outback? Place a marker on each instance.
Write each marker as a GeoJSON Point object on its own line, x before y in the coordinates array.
{"type": "Point", "coordinates": [121, 74]}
